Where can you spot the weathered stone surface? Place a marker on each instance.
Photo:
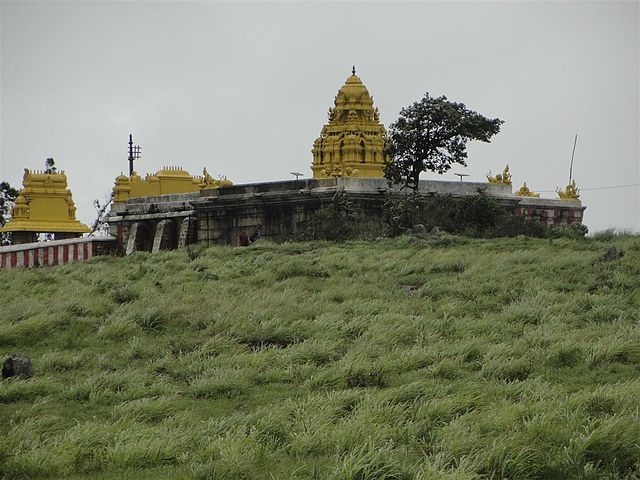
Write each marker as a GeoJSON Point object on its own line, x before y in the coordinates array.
{"type": "Point", "coordinates": [131, 241]}
{"type": "Point", "coordinates": [17, 366]}
{"type": "Point", "coordinates": [159, 237]}
{"type": "Point", "coordinates": [185, 233]}
{"type": "Point", "coordinates": [612, 254]}
{"type": "Point", "coordinates": [282, 209]}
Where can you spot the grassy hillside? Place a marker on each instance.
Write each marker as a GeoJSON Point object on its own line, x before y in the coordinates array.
{"type": "Point", "coordinates": [397, 359]}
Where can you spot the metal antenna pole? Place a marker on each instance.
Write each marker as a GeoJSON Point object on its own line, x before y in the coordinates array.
{"type": "Point", "coordinates": [134, 154]}
{"type": "Point", "coordinates": [572, 153]}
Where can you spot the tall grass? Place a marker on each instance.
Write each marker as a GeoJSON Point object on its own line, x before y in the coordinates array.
{"type": "Point", "coordinates": [394, 359]}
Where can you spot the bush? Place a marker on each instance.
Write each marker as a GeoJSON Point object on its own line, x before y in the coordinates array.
{"type": "Point", "coordinates": [575, 231]}
{"type": "Point", "coordinates": [474, 216]}
{"type": "Point", "coordinates": [400, 214]}
{"type": "Point", "coordinates": [340, 221]}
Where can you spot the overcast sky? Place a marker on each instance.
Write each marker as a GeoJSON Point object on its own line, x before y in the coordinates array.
{"type": "Point", "coordinates": [244, 88]}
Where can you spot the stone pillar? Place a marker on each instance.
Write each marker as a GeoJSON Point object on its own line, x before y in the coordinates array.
{"type": "Point", "coordinates": [159, 242]}
{"type": "Point", "coordinates": [184, 232]}
{"type": "Point", "coordinates": [131, 240]}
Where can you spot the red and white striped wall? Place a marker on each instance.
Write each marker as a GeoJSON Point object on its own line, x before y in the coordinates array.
{"type": "Point", "coordinates": [56, 252]}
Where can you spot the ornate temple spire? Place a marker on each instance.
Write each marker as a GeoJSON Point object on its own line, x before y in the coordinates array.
{"type": "Point", "coordinates": [44, 205]}
{"type": "Point", "coordinates": [352, 142]}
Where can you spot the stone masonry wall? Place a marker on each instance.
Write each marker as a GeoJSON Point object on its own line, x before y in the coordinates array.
{"type": "Point", "coordinates": [281, 209]}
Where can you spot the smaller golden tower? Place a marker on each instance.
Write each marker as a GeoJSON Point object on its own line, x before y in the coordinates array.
{"type": "Point", "coordinates": [352, 143]}
{"type": "Point", "coordinates": [44, 205]}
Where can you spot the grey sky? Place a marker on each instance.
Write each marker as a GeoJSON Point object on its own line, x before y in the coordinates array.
{"type": "Point", "coordinates": [244, 88]}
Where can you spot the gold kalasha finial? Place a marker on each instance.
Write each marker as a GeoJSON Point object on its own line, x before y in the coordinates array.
{"type": "Point", "coordinates": [353, 70]}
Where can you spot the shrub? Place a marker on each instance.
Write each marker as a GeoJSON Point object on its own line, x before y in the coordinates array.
{"type": "Point", "coordinates": [401, 213]}
{"type": "Point", "coordinates": [605, 235]}
{"type": "Point", "coordinates": [575, 231]}
{"type": "Point", "coordinates": [340, 221]}
{"type": "Point", "coordinates": [475, 215]}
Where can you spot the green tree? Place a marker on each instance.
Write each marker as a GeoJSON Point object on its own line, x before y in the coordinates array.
{"type": "Point", "coordinates": [8, 196]}
{"type": "Point", "coordinates": [100, 225]}
{"type": "Point", "coordinates": [50, 166]}
{"type": "Point", "coordinates": [432, 134]}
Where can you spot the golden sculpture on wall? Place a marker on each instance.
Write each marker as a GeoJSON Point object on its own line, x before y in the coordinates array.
{"type": "Point", "coordinates": [525, 192]}
{"type": "Point", "coordinates": [570, 192]}
{"type": "Point", "coordinates": [504, 177]}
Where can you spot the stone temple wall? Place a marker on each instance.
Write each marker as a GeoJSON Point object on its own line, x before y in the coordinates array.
{"type": "Point", "coordinates": [279, 210]}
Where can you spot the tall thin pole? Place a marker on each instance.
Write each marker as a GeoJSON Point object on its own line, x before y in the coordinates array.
{"type": "Point", "coordinates": [572, 154]}
{"type": "Point", "coordinates": [130, 155]}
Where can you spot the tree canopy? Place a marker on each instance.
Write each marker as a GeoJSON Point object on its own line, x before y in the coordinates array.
{"type": "Point", "coordinates": [8, 196]}
{"type": "Point", "coordinates": [432, 134]}
{"type": "Point", "coordinates": [50, 166]}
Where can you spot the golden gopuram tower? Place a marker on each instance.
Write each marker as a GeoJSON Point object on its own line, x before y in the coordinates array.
{"type": "Point", "coordinates": [44, 205]}
{"type": "Point", "coordinates": [352, 143]}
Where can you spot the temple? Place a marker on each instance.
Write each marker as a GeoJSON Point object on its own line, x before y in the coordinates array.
{"type": "Point", "coordinates": [352, 143]}
{"type": "Point", "coordinates": [44, 205]}
{"type": "Point", "coordinates": [172, 208]}
{"type": "Point", "coordinates": [169, 180]}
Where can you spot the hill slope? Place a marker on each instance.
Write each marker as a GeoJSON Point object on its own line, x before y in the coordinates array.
{"type": "Point", "coordinates": [397, 359]}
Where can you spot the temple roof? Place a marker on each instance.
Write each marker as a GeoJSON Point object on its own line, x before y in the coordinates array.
{"type": "Point", "coordinates": [44, 205]}
{"type": "Point", "coordinates": [353, 94]}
